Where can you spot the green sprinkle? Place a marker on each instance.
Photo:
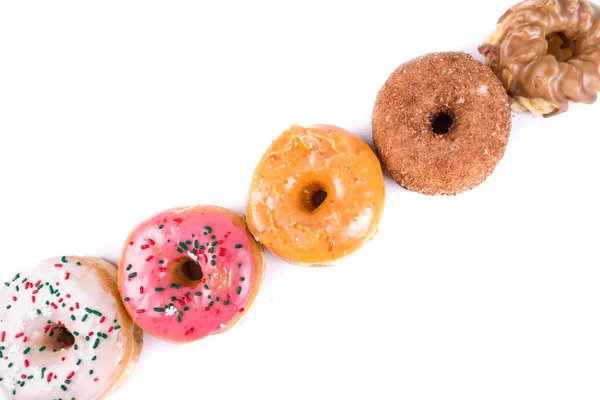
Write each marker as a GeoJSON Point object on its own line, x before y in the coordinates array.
{"type": "Point", "coordinates": [158, 309]}
{"type": "Point", "coordinates": [129, 267]}
{"type": "Point", "coordinates": [186, 308]}
{"type": "Point", "coordinates": [198, 293]}
{"type": "Point", "coordinates": [183, 246]}
{"type": "Point", "coordinates": [7, 284]}
{"type": "Point", "coordinates": [208, 229]}
{"type": "Point", "coordinates": [213, 237]}
{"type": "Point", "coordinates": [188, 242]}
{"type": "Point", "coordinates": [117, 327]}
{"type": "Point", "coordinates": [179, 250]}
{"type": "Point", "coordinates": [161, 262]}
{"type": "Point", "coordinates": [68, 381]}
{"type": "Point", "coordinates": [10, 365]}
{"type": "Point", "coordinates": [39, 311]}
{"type": "Point", "coordinates": [72, 318]}
{"type": "Point", "coordinates": [126, 299]}
{"type": "Point", "coordinates": [213, 263]}
{"type": "Point", "coordinates": [75, 347]}
{"type": "Point", "coordinates": [174, 286]}
{"type": "Point", "coordinates": [75, 333]}
{"type": "Point", "coordinates": [159, 289]}
{"type": "Point", "coordinates": [178, 319]}
{"type": "Point", "coordinates": [196, 244]}
{"type": "Point", "coordinates": [211, 303]}
{"type": "Point", "coordinates": [239, 290]}
{"type": "Point", "coordinates": [43, 370]}
{"type": "Point", "coordinates": [201, 247]}
{"type": "Point", "coordinates": [211, 250]}
{"type": "Point", "coordinates": [26, 350]}
{"type": "Point", "coordinates": [79, 361]}
{"type": "Point", "coordinates": [64, 259]}
{"type": "Point", "coordinates": [17, 276]}
{"type": "Point", "coordinates": [30, 377]}
{"type": "Point", "coordinates": [94, 358]}
{"type": "Point", "coordinates": [8, 307]}
{"type": "Point", "coordinates": [214, 256]}
{"type": "Point", "coordinates": [84, 317]}
{"type": "Point", "coordinates": [96, 343]}
{"type": "Point", "coordinates": [239, 265]}
{"type": "Point", "coordinates": [242, 279]}
{"type": "Point", "coordinates": [161, 226]}
{"type": "Point", "coordinates": [17, 288]}
{"type": "Point", "coordinates": [98, 313]}
{"type": "Point", "coordinates": [238, 246]}
{"type": "Point", "coordinates": [42, 349]}
{"type": "Point", "coordinates": [78, 264]}
{"type": "Point", "coordinates": [209, 296]}
{"type": "Point", "coordinates": [63, 387]}
{"type": "Point", "coordinates": [91, 371]}
{"type": "Point", "coordinates": [226, 302]}
{"type": "Point", "coordinates": [132, 275]}
{"type": "Point", "coordinates": [217, 299]}
{"type": "Point", "coordinates": [88, 310]}
{"type": "Point", "coordinates": [214, 243]}
{"type": "Point", "coordinates": [205, 286]}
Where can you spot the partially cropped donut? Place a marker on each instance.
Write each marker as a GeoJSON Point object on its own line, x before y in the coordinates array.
{"type": "Point", "coordinates": [317, 195]}
{"type": "Point", "coordinates": [64, 332]}
{"type": "Point", "coordinates": [441, 123]}
{"type": "Point", "coordinates": [190, 272]}
{"type": "Point", "coordinates": [547, 54]}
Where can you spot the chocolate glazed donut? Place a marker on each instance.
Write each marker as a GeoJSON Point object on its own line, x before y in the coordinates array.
{"type": "Point", "coordinates": [441, 123]}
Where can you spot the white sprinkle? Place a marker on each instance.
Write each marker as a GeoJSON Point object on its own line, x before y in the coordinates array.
{"type": "Point", "coordinates": [192, 256]}
{"type": "Point", "coordinates": [222, 326]}
{"type": "Point", "coordinates": [170, 311]}
{"type": "Point", "coordinates": [482, 90]}
{"type": "Point", "coordinates": [47, 312]}
{"type": "Point", "coordinates": [32, 314]}
{"type": "Point", "coordinates": [61, 275]}
{"type": "Point", "coordinates": [14, 348]}
{"type": "Point", "coordinates": [486, 152]}
{"type": "Point", "coordinates": [290, 183]}
{"type": "Point", "coordinates": [20, 326]}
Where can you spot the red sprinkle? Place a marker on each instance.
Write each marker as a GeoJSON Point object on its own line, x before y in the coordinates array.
{"type": "Point", "coordinates": [57, 283]}
{"type": "Point", "coordinates": [25, 339]}
{"type": "Point", "coordinates": [149, 258]}
{"type": "Point", "coordinates": [18, 335]}
{"type": "Point", "coordinates": [26, 363]}
{"type": "Point", "coordinates": [34, 292]}
{"type": "Point", "coordinates": [91, 334]}
{"type": "Point", "coordinates": [60, 300]}
{"type": "Point", "coordinates": [228, 297]}
{"type": "Point", "coordinates": [58, 265]}
{"type": "Point", "coordinates": [95, 379]}
{"type": "Point", "coordinates": [62, 359]}
{"type": "Point", "coordinates": [77, 306]}
{"type": "Point", "coordinates": [145, 246]}
{"type": "Point", "coordinates": [14, 298]}
{"type": "Point", "coordinates": [131, 243]}
{"type": "Point", "coordinates": [242, 310]}
{"type": "Point", "coordinates": [37, 283]}
{"type": "Point", "coordinates": [71, 375]}
{"type": "Point", "coordinates": [102, 319]}
{"type": "Point", "coordinates": [220, 242]}
{"type": "Point", "coordinates": [71, 309]}
{"type": "Point", "coordinates": [152, 243]}
{"type": "Point", "coordinates": [162, 269]}
{"type": "Point", "coordinates": [206, 308]}
{"type": "Point", "coordinates": [110, 329]}
{"type": "Point", "coordinates": [187, 297]}
{"type": "Point", "coordinates": [67, 276]}
{"type": "Point", "coordinates": [177, 220]}
{"type": "Point", "coordinates": [181, 303]}
{"type": "Point", "coordinates": [68, 296]}
{"type": "Point", "coordinates": [23, 376]}
{"type": "Point", "coordinates": [49, 377]}
{"type": "Point", "coordinates": [141, 290]}
{"type": "Point", "coordinates": [3, 336]}
{"type": "Point", "coordinates": [141, 311]}
{"type": "Point", "coordinates": [33, 299]}
{"type": "Point", "coordinates": [47, 327]}
{"type": "Point", "coordinates": [54, 305]}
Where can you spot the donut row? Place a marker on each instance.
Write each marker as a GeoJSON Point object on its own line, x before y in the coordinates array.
{"type": "Point", "coordinates": [72, 327]}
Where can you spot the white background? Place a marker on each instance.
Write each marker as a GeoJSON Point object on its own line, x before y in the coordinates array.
{"type": "Point", "coordinates": [111, 111]}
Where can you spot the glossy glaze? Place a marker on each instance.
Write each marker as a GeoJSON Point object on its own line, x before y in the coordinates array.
{"type": "Point", "coordinates": [321, 156]}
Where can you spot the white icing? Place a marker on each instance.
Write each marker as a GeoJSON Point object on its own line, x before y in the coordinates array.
{"type": "Point", "coordinates": [339, 188]}
{"type": "Point", "coordinates": [289, 184]}
{"type": "Point", "coordinates": [360, 224]}
{"type": "Point", "coordinates": [169, 312]}
{"type": "Point", "coordinates": [22, 319]}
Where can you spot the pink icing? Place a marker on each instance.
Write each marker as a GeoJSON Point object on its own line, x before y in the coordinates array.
{"type": "Point", "coordinates": [148, 288]}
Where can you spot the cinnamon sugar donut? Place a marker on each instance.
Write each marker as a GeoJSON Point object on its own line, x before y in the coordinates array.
{"type": "Point", "coordinates": [547, 54]}
{"type": "Point", "coordinates": [441, 123]}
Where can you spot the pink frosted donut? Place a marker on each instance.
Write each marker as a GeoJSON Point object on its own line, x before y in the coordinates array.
{"type": "Point", "coordinates": [187, 273]}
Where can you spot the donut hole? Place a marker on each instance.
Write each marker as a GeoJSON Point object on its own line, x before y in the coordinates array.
{"type": "Point", "coordinates": [559, 45]}
{"type": "Point", "coordinates": [312, 197]}
{"type": "Point", "coordinates": [442, 123]}
{"type": "Point", "coordinates": [60, 337]}
{"type": "Point", "coordinates": [187, 272]}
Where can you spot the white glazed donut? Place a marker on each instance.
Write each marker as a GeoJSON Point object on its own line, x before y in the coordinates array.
{"type": "Point", "coordinates": [64, 332]}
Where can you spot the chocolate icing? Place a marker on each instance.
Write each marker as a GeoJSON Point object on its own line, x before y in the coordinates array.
{"type": "Point", "coordinates": [547, 54]}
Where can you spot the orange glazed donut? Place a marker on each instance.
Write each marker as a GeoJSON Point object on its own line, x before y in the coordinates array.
{"type": "Point", "coordinates": [317, 195]}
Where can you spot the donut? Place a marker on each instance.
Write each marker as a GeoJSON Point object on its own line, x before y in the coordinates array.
{"type": "Point", "coordinates": [187, 273]}
{"type": "Point", "coordinates": [441, 124]}
{"type": "Point", "coordinates": [547, 54]}
{"type": "Point", "coordinates": [317, 195]}
{"type": "Point", "coordinates": [64, 332]}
